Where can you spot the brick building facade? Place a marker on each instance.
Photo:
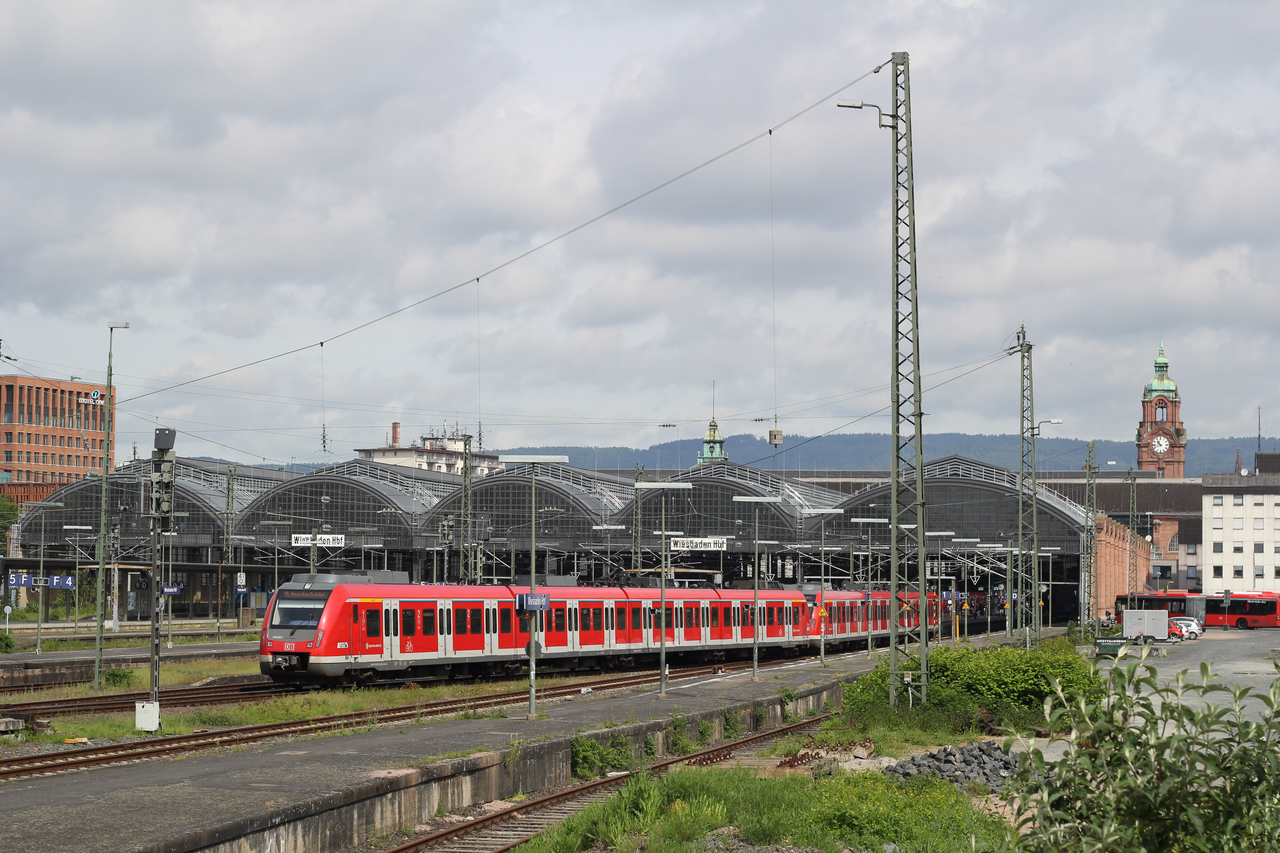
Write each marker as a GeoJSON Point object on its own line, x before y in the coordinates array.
{"type": "Point", "coordinates": [52, 433]}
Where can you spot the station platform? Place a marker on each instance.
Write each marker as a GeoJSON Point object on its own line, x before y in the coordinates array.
{"type": "Point", "coordinates": [326, 794]}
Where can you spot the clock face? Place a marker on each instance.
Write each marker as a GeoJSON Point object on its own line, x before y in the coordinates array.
{"type": "Point", "coordinates": [1160, 444]}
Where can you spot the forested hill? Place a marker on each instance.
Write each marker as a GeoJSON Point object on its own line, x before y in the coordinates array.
{"type": "Point", "coordinates": [870, 452]}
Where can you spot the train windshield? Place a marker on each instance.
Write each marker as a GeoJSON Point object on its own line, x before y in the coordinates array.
{"type": "Point", "coordinates": [296, 610]}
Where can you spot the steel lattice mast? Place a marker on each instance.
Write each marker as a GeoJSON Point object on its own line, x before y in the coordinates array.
{"type": "Point", "coordinates": [467, 535]}
{"type": "Point", "coordinates": [1028, 535]}
{"type": "Point", "coordinates": [906, 521]}
{"type": "Point", "coordinates": [1089, 565]}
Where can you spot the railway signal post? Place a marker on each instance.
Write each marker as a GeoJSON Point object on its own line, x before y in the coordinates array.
{"type": "Point", "coordinates": [147, 714]}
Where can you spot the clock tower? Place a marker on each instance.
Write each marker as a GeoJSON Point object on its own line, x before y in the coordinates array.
{"type": "Point", "coordinates": [1161, 439]}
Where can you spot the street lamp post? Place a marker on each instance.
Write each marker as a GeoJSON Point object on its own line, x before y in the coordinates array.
{"type": "Point", "coordinates": [108, 427]}
{"type": "Point", "coordinates": [666, 566]}
{"type": "Point", "coordinates": [755, 574]}
{"type": "Point", "coordinates": [822, 582]}
{"type": "Point", "coordinates": [532, 461]}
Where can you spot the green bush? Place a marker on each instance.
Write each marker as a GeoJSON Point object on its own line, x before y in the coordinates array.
{"type": "Point", "coordinates": [117, 677]}
{"type": "Point", "coordinates": [1011, 683]}
{"type": "Point", "coordinates": [1154, 766]}
{"type": "Point", "coordinates": [6, 644]}
{"type": "Point", "coordinates": [589, 759]}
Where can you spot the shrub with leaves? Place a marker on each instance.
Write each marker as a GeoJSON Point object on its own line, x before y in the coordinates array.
{"type": "Point", "coordinates": [1154, 766]}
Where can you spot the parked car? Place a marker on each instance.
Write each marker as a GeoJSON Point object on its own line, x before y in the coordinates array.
{"type": "Point", "coordinates": [1191, 629]}
{"type": "Point", "coordinates": [1176, 634]}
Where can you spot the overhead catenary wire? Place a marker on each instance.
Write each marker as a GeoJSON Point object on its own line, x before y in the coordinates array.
{"type": "Point", "coordinates": [522, 255]}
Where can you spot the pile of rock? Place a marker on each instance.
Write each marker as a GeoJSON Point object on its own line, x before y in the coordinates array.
{"type": "Point", "coordinates": [983, 763]}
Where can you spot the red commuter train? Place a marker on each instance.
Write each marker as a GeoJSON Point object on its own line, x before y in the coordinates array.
{"type": "Point", "coordinates": [335, 629]}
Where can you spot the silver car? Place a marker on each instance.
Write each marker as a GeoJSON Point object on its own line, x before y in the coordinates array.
{"type": "Point", "coordinates": [1190, 627]}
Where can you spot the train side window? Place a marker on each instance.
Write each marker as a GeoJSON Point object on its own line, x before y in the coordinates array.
{"type": "Point", "coordinates": [459, 621]}
{"type": "Point", "coordinates": [573, 620]}
{"type": "Point", "coordinates": [504, 621]}
{"type": "Point", "coordinates": [523, 622]}
{"type": "Point", "coordinates": [558, 620]}
{"type": "Point", "coordinates": [355, 614]}
{"type": "Point", "coordinates": [428, 622]}
{"type": "Point", "coordinates": [446, 624]}
{"type": "Point", "coordinates": [715, 617]}
{"type": "Point", "coordinates": [597, 616]}
{"type": "Point", "coordinates": [408, 622]}
{"type": "Point", "coordinates": [542, 620]}
{"type": "Point", "coordinates": [373, 622]}
{"type": "Point", "coordinates": [392, 627]}
{"type": "Point", "coordinates": [769, 616]}
{"type": "Point", "coordinates": [620, 617]}
{"type": "Point", "coordinates": [477, 625]}
{"type": "Point", "coordinates": [635, 618]}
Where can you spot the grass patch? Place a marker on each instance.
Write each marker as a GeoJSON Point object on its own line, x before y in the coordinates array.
{"type": "Point", "coordinates": [863, 811]}
{"type": "Point", "coordinates": [299, 706]}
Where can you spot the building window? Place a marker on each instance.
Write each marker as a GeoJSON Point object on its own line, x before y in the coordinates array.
{"type": "Point", "coordinates": [1191, 549]}
{"type": "Point", "coordinates": [1237, 524]}
{"type": "Point", "coordinates": [1162, 413]}
{"type": "Point", "coordinates": [1217, 524]}
{"type": "Point", "coordinates": [1257, 547]}
{"type": "Point", "coordinates": [1191, 572]}
{"type": "Point", "coordinates": [1217, 547]}
{"type": "Point", "coordinates": [1258, 571]}
{"type": "Point", "coordinates": [1259, 499]}
{"type": "Point", "coordinates": [1217, 571]}
{"type": "Point", "coordinates": [1237, 500]}
{"type": "Point", "coordinates": [1277, 574]}
{"type": "Point", "coordinates": [1217, 500]}
{"type": "Point", "coordinates": [1237, 571]}
{"type": "Point", "coordinates": [1237, 547]}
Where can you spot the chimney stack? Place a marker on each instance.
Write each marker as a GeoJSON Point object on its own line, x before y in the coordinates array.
{"type": "Point", "coordinates": [395, 433]}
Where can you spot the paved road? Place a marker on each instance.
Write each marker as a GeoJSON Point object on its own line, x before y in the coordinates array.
{"type": "Point", "coordinates": [1237, 658]}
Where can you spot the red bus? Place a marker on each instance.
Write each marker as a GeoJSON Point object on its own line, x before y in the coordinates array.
{"type": "Point", "coordinates": [1244, 609]}
{"type": "Point", "coordinates": [1179, 602]}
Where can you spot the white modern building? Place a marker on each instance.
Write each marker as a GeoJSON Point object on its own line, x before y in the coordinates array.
{"type": "Point", "coordinates": [1241, 532]}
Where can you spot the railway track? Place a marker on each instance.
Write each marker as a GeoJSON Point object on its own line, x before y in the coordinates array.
{"type": "Point", "coordinates": [93, 756]}
{"type": "Point", "coordinates": [511, 827]}
{"type": "Point", "coordinates": [173, 697]}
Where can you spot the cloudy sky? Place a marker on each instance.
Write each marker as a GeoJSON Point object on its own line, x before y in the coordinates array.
{"type": "Point", "coordinates": [241, 181]}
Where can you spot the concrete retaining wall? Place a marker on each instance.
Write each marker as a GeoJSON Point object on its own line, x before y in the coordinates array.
{"type": "Point", "coordinates": [411, 796]}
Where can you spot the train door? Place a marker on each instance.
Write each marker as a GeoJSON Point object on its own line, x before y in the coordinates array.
{"type": "Point", "coordinates": [468, 626]}
{"type": "Point", "coordinates": [590, 624]}
{"type": "Point", "coordinates": [556, 635]}
{"type": "Point", "coordinates": [391, 630]}
{"type": "Point", "coordinates": [772, 620]}
{"type": "Point", "coordinates": [664, 622]}
{"type": "Point", "coordinates": [417, 628]}
{"type": "Point", "coordinates": [720, 626]}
